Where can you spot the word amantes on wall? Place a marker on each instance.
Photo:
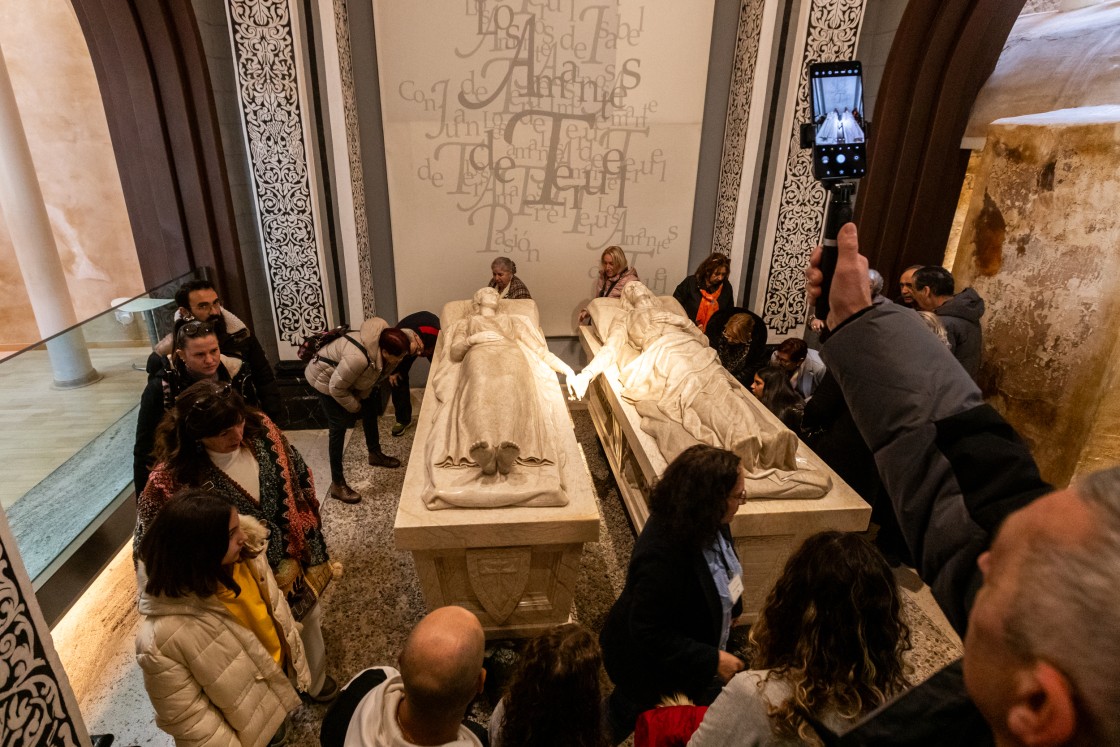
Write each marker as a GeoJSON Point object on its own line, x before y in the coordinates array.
{"type": "Point", "coordinates": [550, 133]}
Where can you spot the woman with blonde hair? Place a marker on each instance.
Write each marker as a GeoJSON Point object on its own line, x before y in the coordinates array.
{"type": "Point", "coordinates": [828, 648]}
{"type": "Point", "coordinates": [614, 274]}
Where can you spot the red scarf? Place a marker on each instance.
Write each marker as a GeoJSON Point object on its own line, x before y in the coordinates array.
{"type": "Point", "coordinates": [709, 304]}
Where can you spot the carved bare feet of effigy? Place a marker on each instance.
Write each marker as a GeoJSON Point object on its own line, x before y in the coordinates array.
{"type": "Point", "coordinates": [656, 388]}
{"type": "Point", "coordinates": [497, 501]}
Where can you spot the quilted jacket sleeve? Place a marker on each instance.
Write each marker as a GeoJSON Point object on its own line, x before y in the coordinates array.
{"type": "Point", "coordinates": [953, 468]}
{"type": "Point", "coordinates": [182, 708]}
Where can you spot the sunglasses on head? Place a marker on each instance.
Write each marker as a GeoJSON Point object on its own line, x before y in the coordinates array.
{"type": "Point", "coordinates": [212, 400]}
{"type": "Point", "coordinates": [194, 329]}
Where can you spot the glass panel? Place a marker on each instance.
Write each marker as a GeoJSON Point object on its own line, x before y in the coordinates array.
{"type": "Point", "coordinates": [69, 450]}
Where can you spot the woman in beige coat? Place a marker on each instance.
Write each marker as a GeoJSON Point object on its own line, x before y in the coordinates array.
{"type": "Point", "coordinates": [218, 646]}
{"type": "Point", "coordinates": [345, 373]}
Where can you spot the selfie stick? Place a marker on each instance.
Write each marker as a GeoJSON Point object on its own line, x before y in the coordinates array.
{"type": "Point", "coordinates": [838, 212]}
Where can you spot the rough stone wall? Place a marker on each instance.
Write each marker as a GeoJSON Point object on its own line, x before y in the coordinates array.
{"type": "Point", "coordinates": [1039, 245]}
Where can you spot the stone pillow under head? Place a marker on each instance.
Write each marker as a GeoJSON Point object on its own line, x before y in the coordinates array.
{"type": "Point", "coordinates": [604, 311]}
{"type": "Point", "coordinates": [453, 311]}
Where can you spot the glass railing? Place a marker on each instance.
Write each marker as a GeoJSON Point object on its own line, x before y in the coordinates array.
{"type": "Point", "coordinates": [68, 449]}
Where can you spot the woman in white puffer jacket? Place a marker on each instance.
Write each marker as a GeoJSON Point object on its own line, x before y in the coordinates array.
{"type": "Point", "coordinates": [220, 651]}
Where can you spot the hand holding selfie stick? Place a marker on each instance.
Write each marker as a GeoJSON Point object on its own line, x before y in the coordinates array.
{"type": "Point", "coordinates": [838, 212]}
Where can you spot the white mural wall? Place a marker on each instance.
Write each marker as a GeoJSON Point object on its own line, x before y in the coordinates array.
{"type": "Point", "coordinates": [541, 130]}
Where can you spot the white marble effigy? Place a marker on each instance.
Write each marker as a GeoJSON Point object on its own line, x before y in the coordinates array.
{"type": "Point", "coordinates": [514, 566]}
{"type": "Point", "coordinates": [766, 530]}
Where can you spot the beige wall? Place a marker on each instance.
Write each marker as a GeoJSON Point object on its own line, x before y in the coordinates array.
{"type": "Point", "coordinates": [451, 217]}
{"type": "Point", "coordinates": [64, 119]}
{"type": "Point", "coordinates": [1039, 245]}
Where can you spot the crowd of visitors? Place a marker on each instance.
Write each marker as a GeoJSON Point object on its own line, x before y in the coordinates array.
{"type": "Point", "coordinates": [232, 560]}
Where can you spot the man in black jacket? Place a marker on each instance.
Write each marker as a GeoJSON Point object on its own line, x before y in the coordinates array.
{"type": "Point", "coordinates": [1029, 580]}
{"type": "Point", "coordinates": [198, 299]}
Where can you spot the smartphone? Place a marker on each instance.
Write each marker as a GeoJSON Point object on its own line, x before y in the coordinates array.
{"type": "Point", "coordinates": [839, 142]}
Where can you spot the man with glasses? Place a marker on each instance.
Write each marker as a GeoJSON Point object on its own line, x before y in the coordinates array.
{"type": "Point", "coordinates": [198, 299]}
{"type": "Point", "coordinates": [196, 357]}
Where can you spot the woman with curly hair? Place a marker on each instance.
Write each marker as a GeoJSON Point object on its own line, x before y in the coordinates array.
{"type": "Point", "coordinates": [553, 696]}
{"type": "Point", "coordinates": [828, 647]}
{"type": "Point", "coordinates": [667, 633]}
{"type": "Point", "coordinates": [212, 440]}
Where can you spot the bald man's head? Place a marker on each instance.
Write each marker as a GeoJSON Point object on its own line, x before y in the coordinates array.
{"type": "Point", "coordinates": [441, 664]}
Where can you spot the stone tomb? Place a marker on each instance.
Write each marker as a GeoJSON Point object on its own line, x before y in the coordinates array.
{"type": "Point", "coordinates": [766, 532]}
{"type": "Point", "coordinates": [514, 567]}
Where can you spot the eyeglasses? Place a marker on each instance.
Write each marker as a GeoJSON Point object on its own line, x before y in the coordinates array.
{"type": "Point", "coordinates": [207, 306]}
{"type": "Point", "coordinates": [740, 497]}
{"type": "Point", "coordinates": [192, 330]}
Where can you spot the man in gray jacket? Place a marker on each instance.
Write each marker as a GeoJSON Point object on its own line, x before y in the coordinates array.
{"type": "Point", "coordinates": [1028, 576]}
{"type": "Point", "coordinates": [959, 314]}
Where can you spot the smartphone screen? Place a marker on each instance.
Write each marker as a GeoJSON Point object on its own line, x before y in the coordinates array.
{"type": "Point", "coordinates": [836, 95]}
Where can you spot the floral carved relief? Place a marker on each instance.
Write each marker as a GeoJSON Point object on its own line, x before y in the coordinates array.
{"type": "Point", "coordinates": [32, 709]}
{"type": "Point", "coordinates": [266, 74]}
{"type": "Point", "coordinates": [354, 153]}
{"type": "Point", "coordinates": [831, 34]}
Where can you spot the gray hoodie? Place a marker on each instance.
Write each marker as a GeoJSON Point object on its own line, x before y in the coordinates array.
{"type": "Point", "coordinates": [960, 316]}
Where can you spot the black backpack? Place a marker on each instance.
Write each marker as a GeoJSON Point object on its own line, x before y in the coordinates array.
{"type": "Point", "coordinates": [312, 344]}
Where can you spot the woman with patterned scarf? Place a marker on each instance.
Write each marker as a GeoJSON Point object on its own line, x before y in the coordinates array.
{"type": "Point", "coordinates": [707, 291]}
{"type": "Point", "coordinates": [212, 440]}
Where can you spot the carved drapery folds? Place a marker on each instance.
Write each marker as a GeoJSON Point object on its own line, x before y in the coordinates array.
{"type": "Point", "coordinates": [264, 51]}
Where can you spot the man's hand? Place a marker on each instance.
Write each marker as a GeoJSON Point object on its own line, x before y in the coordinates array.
{"type": "Point", "coordinates": [729, 665]}
{"type": "Point", "coordinates": [850, 292]}
{"type": "Point", "coordinates": [394, 379]}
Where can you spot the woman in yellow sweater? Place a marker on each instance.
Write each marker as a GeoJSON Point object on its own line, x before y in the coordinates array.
{"type": "Point", "coordinates": [218, 645]}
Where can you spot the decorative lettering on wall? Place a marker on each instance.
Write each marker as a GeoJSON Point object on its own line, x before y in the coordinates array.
{"type": "Point", "coordinates": [544, 137]}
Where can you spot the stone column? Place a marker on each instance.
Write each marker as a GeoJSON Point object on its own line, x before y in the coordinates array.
{"type": "Point", "coordinates": [22, 202]}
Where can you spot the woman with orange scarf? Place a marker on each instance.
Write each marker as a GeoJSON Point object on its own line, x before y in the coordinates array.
{"type": "Point", "coordinates": [707, 291]}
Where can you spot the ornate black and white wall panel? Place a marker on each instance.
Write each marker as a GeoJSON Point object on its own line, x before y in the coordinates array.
{"type": "Point", "coordinates": [739, 111]}
{"type": "Point", "coordinates": [829, 30]}
{"type": "Point", "coordinates": [268, 87]}
{"type": "Point", "coordinates": [37, 706]}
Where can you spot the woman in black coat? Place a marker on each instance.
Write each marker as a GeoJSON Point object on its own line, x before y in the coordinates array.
{"type": "Point", "coordinates": [706, 291]}
{"type": "Point", "coordinates": [667, 632]}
